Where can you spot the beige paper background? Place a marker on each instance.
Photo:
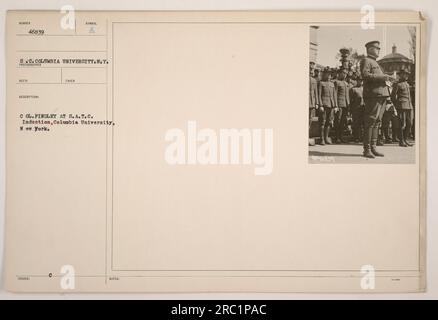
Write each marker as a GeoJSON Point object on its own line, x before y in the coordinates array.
{"type": "Point", "coordinates": [158, 217]}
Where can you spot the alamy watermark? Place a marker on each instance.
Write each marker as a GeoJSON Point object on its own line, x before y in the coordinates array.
{"type": "Point", "coordinates": [368, 19]}
{"type": "Point", "coordinates": [223, 147]}
{"type": "Point", "coordinates": [67, 281]}
{"type": "Point", "coordinates": [368, 280]}
{"type": "Point", "coordinates": [68, 20]}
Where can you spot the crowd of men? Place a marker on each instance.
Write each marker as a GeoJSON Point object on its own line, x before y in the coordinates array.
{"type": "Point", "coordinates": [363, 104]}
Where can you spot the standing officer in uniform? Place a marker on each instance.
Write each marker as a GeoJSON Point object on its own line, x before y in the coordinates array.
{"type": "Point", "coordinates": [401, 98]}
{"type": "Point", "coordinates": [313, 98]}
{"type": "Point", "coordinates": [343, 103]}
{"type": "Point", "coordinates": [389, 117]}
{"type": "Point", "coordinates": [327, 99]}
{"type": "Point", "coordinates": [375, 94]}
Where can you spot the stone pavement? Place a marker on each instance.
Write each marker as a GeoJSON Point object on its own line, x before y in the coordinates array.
{"type": "Point", "coordinates": [352, 153]}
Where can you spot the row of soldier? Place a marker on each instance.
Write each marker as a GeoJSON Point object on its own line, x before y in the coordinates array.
{"type": "Point", "coordinates": [338, 94]}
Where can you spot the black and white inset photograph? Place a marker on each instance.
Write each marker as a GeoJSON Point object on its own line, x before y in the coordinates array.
{"type": "Point", "coordinates": [362, 86]}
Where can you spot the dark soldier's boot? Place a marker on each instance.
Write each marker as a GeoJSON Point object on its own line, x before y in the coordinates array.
{"type": "Point", "coordinates": [361, 137]}
{"type": "Point", "coordinates": [401, 141]}
{"type": "Point", "coordinates": [335, 139]}
{"type": "Point", "coordinates": [339, 137]}
{"type": "Point", "coordinates": [395, 130]}
{"type": "Point", "coordinates": [367, 152]}
{"type": "Point", "coordinates": [394, 136]}
{"type": "Point", "coordinates": [367, 136]}
{"type": "Point", "coordinates": [387, 136]}
{"type": "Point", "coordinates": [375, 152]}
{"type": "Point", "coordinates": [322, 136]}
{"type": "Point", "coordinates": [374, 143]}
{"type": "Point", "coordinates": [380, 141]}
{"type": "Point", "coordinates": [342, 140]}
{"type": "Point", "coordinates": [378, 136]}
{"type": "Point", "coordinates": [326, 135]}
{"type": "Point", "coordinates": [406, 134]}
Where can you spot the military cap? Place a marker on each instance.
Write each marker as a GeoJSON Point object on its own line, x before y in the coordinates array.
{"type": "Point", "coordinates": [326, 71]}
{"type": "Point", "coordinates": [373, 43]}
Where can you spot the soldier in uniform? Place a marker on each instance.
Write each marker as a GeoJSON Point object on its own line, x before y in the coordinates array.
{"type": "Point", "coordinates": [357, 107]}
{"type": "Point", "coordinates": [375, 94]}
{"type": "Point", "coordinates": [351, 80]}
{"type": "Point", "coordinates": [313, 98]}
{"type": "Point", "coordinates": [316, 75]}
{"type": "Point", "coordinates": [389, 117]}
{"type": "Point", "coordinates": [333, 74]}
{"type": "Point", "coordinates": [327, 99]}
{"type": "Point", "coordinates": [401, 98]}
{"type": "Point", "coordinates": [343, 103]}
{"type": "Point", "coordinates": [411, 83]}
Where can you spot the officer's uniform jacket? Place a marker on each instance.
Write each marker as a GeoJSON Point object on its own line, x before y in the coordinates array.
{"type": "Point", "coordinates": [314, 97]}
{"type": "Point", "coordinates": [342, 96]}
{"type": "Point", "coordinates": [326, 93]}
{"type": "Point", "coordinates": [374, 84]}
{"type": "Point", "coordinates": [401, 96]}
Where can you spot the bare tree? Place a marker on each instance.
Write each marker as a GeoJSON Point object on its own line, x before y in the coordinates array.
{"type": "Point", "coordinates": [412, 41]}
